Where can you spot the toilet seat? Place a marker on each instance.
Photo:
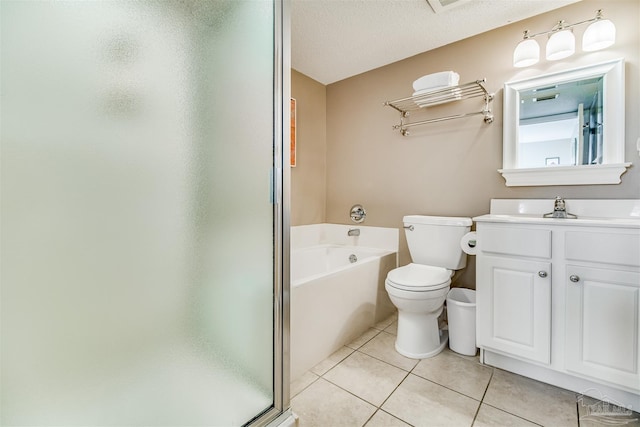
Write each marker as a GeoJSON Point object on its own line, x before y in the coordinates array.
{"type": "Point", "coordinates": [419, 278]}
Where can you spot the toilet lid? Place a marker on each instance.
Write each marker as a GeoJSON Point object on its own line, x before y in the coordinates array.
{"type": "Point", "coordinates": [418, 277]}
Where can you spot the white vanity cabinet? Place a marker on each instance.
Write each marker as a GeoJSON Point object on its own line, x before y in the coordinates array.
{"type": "Point", "coordinates": [558, 300]}
{"type": "Point", "coordinates": [602, 287]}
{"type": "Point", "coordinates": [514, 303]}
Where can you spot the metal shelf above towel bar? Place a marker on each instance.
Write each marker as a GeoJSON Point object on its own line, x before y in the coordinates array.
{"type": "Point", "coordinates": [441, 96]}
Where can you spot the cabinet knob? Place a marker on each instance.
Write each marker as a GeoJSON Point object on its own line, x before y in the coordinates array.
{"type": "Point", "coordinates": [574, 278]}
{"type": "Point", "coordinates": [542, 274]}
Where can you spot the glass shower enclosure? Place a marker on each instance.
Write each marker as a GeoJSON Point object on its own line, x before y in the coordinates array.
{"type": "Point", "coordinates": [142, 223]}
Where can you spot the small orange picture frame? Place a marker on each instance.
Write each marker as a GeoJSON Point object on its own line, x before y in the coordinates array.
{"type": "Point", "coordinates": [292, 148]}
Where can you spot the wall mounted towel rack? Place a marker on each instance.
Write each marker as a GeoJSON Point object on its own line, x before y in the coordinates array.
{"type": "Point", "coordinates": [441, 96]}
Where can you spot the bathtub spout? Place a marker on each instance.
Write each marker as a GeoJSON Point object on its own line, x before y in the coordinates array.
{"type": "Point", "coordinates": [353, 232]}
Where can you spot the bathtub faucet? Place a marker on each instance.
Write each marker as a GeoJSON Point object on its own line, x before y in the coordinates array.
{"type": "Point", "coordinates": [353, 232]}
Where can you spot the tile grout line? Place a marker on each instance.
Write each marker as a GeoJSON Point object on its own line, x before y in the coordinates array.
{"type": "Point", "coordinates": [366, 342]}
{"type": "Point", "coordinates": [378, 407]}
{"type": "Point", "coordinates": [577, 413]}
{"type": "Point", "coordinates": [515, 415]}
{"type": "Point", "coordinates": [391, 394]}
{"type": "Point", "coordinates": [409, 372]}
{"type": "Point", "coordinates": [369, 419]}
{"type": "Point", "coordinates": [451, 389]}
{"type": "Point", "coordinates": [448, 388]}
{"type": "Point", "coordinates": [482, 402]}
{"type": "Point", "coordinates": [341, 360]}
{"type": "Point", "coordinates": [396, 388]}
{"type": "Point", "coordinates": [384, 361]}
{"type": "Point", "coordinates": [337, 363]}
{"type": "Point", "coordinates": [351, 393]}
{"type": "Point", "coordinates": [482, 398]}
{"type": "Point", "coordinates": [397, 418]}
{"type": "Point", "coordinates": [306, 387]}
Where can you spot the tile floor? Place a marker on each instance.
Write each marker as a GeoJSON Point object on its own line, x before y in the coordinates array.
{"type": "Point", "coordinates": [367, 383]}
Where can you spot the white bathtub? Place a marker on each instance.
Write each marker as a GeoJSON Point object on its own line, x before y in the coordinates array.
{"type": "Point", "coordinates": [334, 300]}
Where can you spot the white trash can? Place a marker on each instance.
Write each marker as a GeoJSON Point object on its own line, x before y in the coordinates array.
{"type": "Point", "coordinates": [461, 313]}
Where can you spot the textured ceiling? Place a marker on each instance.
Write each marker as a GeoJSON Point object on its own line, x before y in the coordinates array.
{"type": "Point", "coordinates": [335, 39]}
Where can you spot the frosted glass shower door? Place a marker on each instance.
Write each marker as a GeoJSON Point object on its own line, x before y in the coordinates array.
{"type": "Point", "coordinates": [137, 218]}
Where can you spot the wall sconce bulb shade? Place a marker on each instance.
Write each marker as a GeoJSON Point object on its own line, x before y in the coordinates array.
{"type": "Point", "coordinates": [527, 53]}
{"type": "Point", "coordinates": [560, 45]}
{"type": "Point", "coordinates": [599, 35]}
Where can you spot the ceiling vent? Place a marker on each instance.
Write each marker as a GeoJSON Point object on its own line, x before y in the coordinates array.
{"type": "Point", "coordinates": [440, 6]}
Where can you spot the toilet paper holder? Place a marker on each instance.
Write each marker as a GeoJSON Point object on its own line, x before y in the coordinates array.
{"type": "Point", "coordinates": [469, 243]}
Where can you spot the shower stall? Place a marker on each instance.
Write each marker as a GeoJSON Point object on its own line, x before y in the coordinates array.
{"type": "Point", "coordinates": [144, 217]}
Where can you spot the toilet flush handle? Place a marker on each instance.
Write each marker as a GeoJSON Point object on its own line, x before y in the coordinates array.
{"type": "Point", "coordinates": [408, 227]}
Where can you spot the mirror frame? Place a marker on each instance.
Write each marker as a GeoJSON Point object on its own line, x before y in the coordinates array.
{"type": "Point", "coordinates": [613, 164]}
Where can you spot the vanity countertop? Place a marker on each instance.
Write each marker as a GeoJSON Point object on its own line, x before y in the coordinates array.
{"type": "Point", "coordinates": [581, 221]}
{"type": "Point", "coordinates": [591, 213]}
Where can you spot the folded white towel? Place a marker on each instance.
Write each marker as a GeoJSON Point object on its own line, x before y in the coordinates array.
{"type": "Point", "coordinates": [429, 90]}
{"type": "Point", "coordinates": [437, 95]}
{"type": "Point", "coordinates": [441, 79]}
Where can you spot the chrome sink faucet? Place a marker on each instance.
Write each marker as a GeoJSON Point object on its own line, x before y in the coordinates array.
{"type": "Point", "coordinates": [559, 210]}
{"type": "Point", "coordinates": [353, 232]}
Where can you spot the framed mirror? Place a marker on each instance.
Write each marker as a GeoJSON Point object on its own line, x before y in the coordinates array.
{"type": "Point", "coordinates": [565, 128]}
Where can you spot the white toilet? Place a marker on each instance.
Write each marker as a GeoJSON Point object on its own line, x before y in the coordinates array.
{"type": "Point", "coordinates": [419, 289]}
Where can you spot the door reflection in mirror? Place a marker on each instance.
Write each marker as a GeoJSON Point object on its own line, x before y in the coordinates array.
{"type": "Point", "coordinates": [561, 121]}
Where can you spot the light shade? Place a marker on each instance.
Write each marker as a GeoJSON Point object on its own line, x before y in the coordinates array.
{"type": "Point", "coordinates": [598, 35]}
{"type": "Point", "coordinates": [561, 45]}
{"type": "Point", "coordinates": [527, 53]}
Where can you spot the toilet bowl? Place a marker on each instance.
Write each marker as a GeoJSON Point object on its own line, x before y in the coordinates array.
{"type": "Point", "coordinates": [419, 290]}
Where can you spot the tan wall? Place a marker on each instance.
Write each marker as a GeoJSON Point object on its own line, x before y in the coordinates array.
{"type": "Point", "coordinates": [347, 152]}
{"type": "Point", "coordinates": [449, 168]}
{"type": "Point", "coordinates": [308, 178]}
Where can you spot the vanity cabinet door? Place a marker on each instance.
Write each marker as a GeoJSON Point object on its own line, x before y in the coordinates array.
{"type": "Point", "coordinates": [514, 307]}
{"type": "Point", "coordinates": [603, 325]}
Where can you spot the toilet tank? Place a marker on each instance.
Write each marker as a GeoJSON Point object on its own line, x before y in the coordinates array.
{"type": "Point", "coordinates": [435, 240]}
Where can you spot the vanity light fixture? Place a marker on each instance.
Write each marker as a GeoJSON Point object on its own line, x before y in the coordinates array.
{"type": "Point", "coordinates": [527, 52]}
{"type": "Point", "coordinates": [561, 43]}
{"type": "Point", "coordinates": [601, 33]}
